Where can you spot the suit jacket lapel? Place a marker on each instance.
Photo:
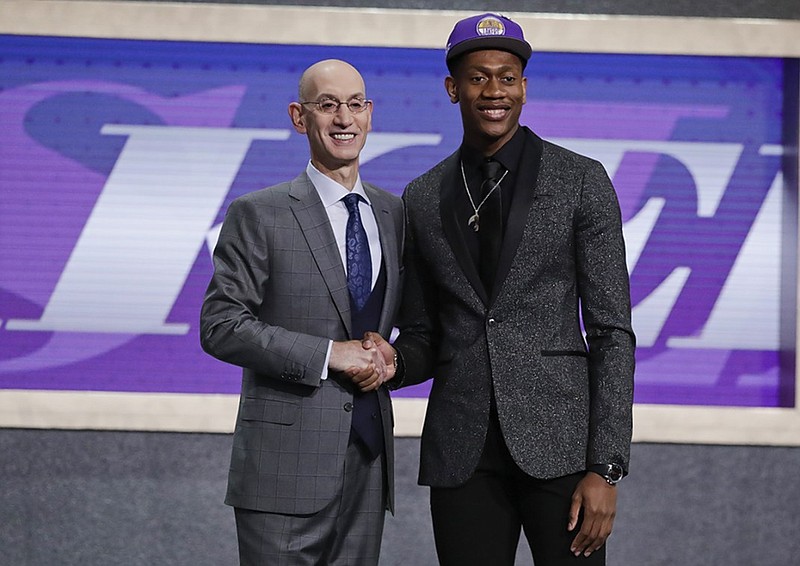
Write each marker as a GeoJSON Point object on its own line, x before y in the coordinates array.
{"type": "Point", "coordinates": [316, 227]}
{"type": "Point", "coordinates": [525, 194]}
{"type": "Point", "coordinates": [451, 187]}
{"type": "Point", "coordinates": [389, 236]}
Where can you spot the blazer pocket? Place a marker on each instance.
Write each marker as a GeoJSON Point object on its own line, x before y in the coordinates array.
{"type": "Point", "coordinates": [269, 411]}
{"type": "Point", "coordinates": [579, 353]}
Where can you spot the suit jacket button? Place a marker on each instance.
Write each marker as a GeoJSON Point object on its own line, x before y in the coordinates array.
{"type": "Point", "coordinates": [492, 322]}
{"type": "Point", "coordinates": [348, 406]}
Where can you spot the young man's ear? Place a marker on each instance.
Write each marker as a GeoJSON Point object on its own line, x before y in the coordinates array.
{"type": "Point", "coordinates": [452, 89]}
{"type": "Point", "coordinates": [524, 90]}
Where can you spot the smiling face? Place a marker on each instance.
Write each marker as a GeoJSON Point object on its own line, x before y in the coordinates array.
{"type": "Point", "coordinates": [335, 140]}
{"type": "Point", "coordinates": [489, 87]}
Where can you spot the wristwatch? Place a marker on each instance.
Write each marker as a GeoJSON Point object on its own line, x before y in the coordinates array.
{"type": "Point", "coordinates": [399, 371]}
{"type": "Point", "coordinates": [612, 473]}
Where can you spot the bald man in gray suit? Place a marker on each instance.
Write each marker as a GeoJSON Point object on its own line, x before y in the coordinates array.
{"type": "Point", "coordinates": [301, 270]}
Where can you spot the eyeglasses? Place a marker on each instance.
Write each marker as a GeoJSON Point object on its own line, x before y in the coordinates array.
{"type": "Point", "coordinates": [331, 105]}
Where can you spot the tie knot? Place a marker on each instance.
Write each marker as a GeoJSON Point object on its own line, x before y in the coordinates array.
{"type": "Point", "coordinates": [351, 202]}
{"type": "Point", "coordinates": [491, 169]}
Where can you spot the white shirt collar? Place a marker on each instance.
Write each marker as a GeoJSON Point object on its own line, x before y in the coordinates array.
{"type": "Point", "coordinates": [331, 192]}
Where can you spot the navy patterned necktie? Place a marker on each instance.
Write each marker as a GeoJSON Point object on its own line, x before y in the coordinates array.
{"type": "Point", "coordinates": [359, 263]}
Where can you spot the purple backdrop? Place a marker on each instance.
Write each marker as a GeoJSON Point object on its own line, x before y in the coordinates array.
{"type": "Point", "coordinates": [118, 159]}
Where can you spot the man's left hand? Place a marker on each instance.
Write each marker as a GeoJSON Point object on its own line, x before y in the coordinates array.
{"type": "Point", "coordinates": [599, 503]}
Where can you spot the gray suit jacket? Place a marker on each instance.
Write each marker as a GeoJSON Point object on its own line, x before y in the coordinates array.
{"type": "Point", "coordinates": [561, 405]}
{"type": "Point", "coordinates": [278, 294]}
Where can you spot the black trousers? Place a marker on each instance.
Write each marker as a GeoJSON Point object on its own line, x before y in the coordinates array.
{"type": "Point", "coordinates": [479, 522]}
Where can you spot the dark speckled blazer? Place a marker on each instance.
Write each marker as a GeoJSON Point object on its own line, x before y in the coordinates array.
{"type": "Point", "coordinates": [563, 401]}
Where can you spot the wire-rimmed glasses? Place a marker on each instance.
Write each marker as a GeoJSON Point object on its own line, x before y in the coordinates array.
{"type": "Point", "coordinates": [330, 105]}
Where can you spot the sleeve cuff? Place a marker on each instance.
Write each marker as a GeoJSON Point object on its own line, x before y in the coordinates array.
{"type": "Point", "coordinates": [324, 375]}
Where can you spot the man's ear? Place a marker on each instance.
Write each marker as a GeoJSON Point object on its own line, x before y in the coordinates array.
{"type": "Point", "coordinates": [296, 115]}
{"type": "Point", "coordinates": [524, 90]}
{"type": "Point", "coordinates": [452, 89]}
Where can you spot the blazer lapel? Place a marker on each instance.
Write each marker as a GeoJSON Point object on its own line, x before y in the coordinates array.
{"type": "Point", "coordinates": [525, 194]}
{"type": "Point", "coordinates": [449, 190]}
{"type": "Point", "coordinates": [316, 228]}
{"type": "Point", "coordinates": [388, 232]}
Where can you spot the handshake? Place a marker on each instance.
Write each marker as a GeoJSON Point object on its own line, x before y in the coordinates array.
{"type": "Point", "coordinates": [368, 363]}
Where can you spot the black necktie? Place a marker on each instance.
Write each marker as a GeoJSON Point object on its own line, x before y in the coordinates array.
{"type": "Point", "coordinates": [490, 235]}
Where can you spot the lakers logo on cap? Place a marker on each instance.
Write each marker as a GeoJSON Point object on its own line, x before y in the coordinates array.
{"type": "Point", "coordinates": [487, 31]}
{"type": "Point", "coordinates": [490, 25]}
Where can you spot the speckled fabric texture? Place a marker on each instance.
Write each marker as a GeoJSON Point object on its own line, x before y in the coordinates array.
{"type": "Point", "coordinates": [563, 401]}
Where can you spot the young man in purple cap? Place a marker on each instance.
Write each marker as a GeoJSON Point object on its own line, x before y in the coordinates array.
{"type": "Point", "coordinates": [510, 242]}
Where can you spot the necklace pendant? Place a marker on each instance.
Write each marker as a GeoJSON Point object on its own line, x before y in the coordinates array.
{"type": "Point", "coordinates": [473, 222]}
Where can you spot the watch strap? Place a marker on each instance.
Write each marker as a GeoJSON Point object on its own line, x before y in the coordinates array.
{"type": "Point", "coordinates": [612, 472]}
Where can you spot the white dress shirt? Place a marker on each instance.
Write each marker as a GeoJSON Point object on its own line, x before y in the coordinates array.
{"type": "Point", "coordinates": [331, 194]}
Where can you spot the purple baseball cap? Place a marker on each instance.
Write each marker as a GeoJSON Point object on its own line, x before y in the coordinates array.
{"type": "Point", "coordinates": [487, 31]}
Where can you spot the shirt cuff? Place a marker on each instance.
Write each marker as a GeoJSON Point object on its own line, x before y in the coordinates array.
{"type": "Point", "coordinates": [324, 374]}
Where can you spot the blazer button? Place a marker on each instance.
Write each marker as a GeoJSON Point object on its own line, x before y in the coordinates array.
{"type": "Point", "coordinates": [348, 406]}
{"type": "Point", "coordinates": [492, 322]}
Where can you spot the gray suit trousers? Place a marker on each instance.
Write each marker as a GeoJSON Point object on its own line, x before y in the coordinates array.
{"type": "Point", "coordinates": [358, 509]}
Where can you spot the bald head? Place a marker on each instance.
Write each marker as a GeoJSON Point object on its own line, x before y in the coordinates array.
{"type": "Point", "coordinates": [325, 72]}
{"type": "Point", "coordinates": [338, 131]}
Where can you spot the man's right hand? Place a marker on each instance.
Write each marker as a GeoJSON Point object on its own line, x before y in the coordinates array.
{"type": "Point", "coordinates": [364, 377]}
{"type": "Point", "coordinates": [375, 340]}
{"type": "Point", "coordinates": [366, 367]}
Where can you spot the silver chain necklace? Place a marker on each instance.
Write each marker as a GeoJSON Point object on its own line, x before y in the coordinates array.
{"type": "Point", "coordinates": [474, 220]}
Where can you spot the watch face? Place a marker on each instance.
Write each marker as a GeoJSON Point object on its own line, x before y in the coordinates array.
{"type": "Point", "coordinates": [614, 472]}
